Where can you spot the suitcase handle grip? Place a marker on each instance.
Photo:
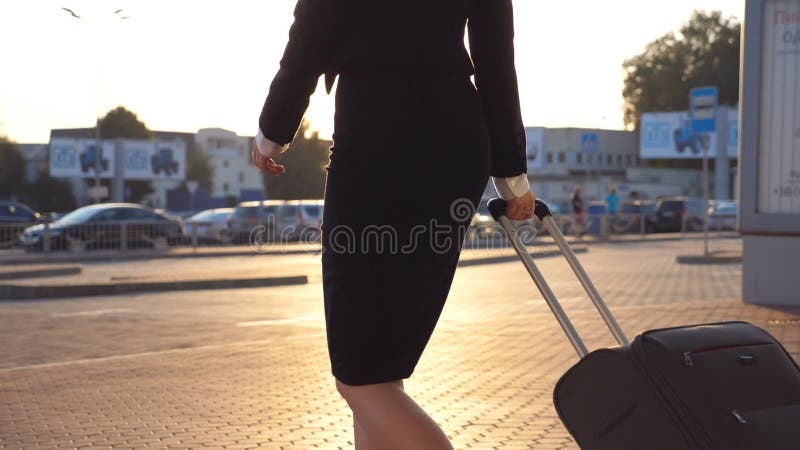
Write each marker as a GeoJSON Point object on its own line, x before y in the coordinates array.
{"type": "Point", "coordinates": [497, 207]}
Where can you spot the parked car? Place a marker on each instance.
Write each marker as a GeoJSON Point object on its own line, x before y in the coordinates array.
{"type": "Point", "coordinates": [633, 217]}
{"type": "Point", "coordinates": [248, 215]}
{"type": "Point", "coordinates": [296, 216]}
{"type": "Point", "coordinates": [672, 212]}
{"type": "Point", "coordinates": [482, 222]}
{"type": "Point", "coordinates": [14, 212]}
{"type": "Point", "coordinates": [210, 226]}
{"type": "Point", "coordinates": [723, 215]}
{"type": "Point", "coordinates": [100, 226]}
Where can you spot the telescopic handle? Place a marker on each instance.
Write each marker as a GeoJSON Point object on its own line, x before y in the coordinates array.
{"type": "Point", "coordinates": [497, 207]}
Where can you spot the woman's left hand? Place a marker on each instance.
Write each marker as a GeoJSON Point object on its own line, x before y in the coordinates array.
{"type": "Point", "coordinates": [265, 163]}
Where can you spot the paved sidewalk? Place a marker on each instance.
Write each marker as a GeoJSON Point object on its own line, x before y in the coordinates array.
{"type": "Point", "coordinates": [486, 376]}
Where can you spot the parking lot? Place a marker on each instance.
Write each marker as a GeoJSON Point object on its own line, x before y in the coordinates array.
{"type": "Point", "coordinates": [248, 368]}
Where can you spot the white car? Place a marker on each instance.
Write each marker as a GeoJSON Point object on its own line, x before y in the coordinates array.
{"type": "Point", "coordinates": [295, 216]}
{"type": "Point", "coordinates": [209, 225]}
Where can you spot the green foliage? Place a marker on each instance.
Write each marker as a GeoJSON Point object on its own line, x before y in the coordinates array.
{"type": "Point", "coordinates": [704, 53]}
{"type": "Point", "coordinates": [122, 123]}
{"type": "Point", "coordinates": [12, 168]}
{"type": "Point", "coordinates": [49, 194]}
{"type": "Point", "coordinates": [305, 163]}
{"type": "Point", "coordinates": [198, 167]}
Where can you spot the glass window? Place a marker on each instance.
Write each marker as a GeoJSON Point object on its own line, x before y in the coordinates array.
{"type": "Point", "coordinates": [79, 215]}
{"type": "Point", "coordinates": [312, 210]}
{"type": "Point", "coordinates": [609, 159]}
{"type": "Point", "coordinates": [619, 160]}
{"type": "Point", "coordinates": [287, 211]}
{"type": "Point", "coordinates": [579, 158]}
{"type": "Point", "coordinates": [561, 157]}
{"type": "Point", "coordinates": [134, 214]}
{"type": "Point", "coordinates": [550, 157]}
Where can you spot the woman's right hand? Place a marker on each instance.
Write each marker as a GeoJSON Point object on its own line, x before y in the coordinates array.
{"type": "Point", "coordinates": [266, 163]}
{"type": "Point", "coordinates": [521, 208]}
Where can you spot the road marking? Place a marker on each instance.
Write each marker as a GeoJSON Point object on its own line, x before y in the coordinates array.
{"type": "Point", "coordinates": [96, 312]}
{"type": "Point", "coordinates": [266, 323]}
{"type": "Point", "coordinates": [158, 352]}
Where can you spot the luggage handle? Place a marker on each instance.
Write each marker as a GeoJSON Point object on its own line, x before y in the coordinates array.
{"type": "Point", "coordinates": [497, 207]}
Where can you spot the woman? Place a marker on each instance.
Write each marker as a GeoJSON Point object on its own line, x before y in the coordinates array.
{"type": "Point", "coordinates": [414, 145]}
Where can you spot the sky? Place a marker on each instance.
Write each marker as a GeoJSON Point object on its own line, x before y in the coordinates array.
{"type": "Point", "coordinates": [182, 65]}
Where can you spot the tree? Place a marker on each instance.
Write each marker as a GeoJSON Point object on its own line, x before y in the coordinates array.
{"type": "Point", "coordinates": [305, 168]}
{"type": "Point", "coordinates": [704, 53]}
{"type": "Point", "coordinates": [198, 167]}
{"type": "Point", "coordinates": [122, 123]}
{"type": "Point", "coordinates": [12, 168]}
{"type": "Point", "coordinates": [49, 194]}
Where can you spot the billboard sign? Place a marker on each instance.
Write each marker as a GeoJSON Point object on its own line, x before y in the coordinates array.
{"type": "Point", "coordinates": [534, 137]}
{"type": "Point", "coordinates": [154, 160]}
{"type": "Point", "coordinates": [589, 143]}
{"type": "Point", "coordinates": [80, 158]}
{"type": "Point", "coordinates": [779, 118]}
{"type": "Point", "coordinates": [732, 129]}
{"type": "Point", "coordinates": [671, 136]}
{"type": "Point", "coordinates": [141, 160]}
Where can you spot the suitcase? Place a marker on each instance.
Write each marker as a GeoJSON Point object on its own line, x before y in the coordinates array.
{"type": "Point", "coordinates": [721, 386]}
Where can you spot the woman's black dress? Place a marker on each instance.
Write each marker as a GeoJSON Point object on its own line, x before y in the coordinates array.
{"type": "Point", "coordinates": [410, 159]}
{"type": "Point", "coordinates": [414, 144]}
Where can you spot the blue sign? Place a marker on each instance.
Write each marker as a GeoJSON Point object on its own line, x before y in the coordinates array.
{"type": "Point", "coordinates": [588, 143]}
{"type": "Point", "coordinates": [703, 109]}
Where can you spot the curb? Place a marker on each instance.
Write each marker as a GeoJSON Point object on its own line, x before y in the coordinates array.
{"type": "Point", "coordinates": [44, 272]}
{"type": "Point", "coordinates": [554, 251]}
{"type": "Point", "coordinates": [33, 292]}
{"type": "Point", "coordinates": [710, 259]}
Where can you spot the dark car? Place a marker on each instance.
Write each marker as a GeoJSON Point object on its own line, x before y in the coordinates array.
{"type": "Point", "coordinates": [674, 214]}
{"type": "Point", "coordinates": [164, 161]}
{"type": "Point", "coordinates": [91, 156]}
{"type": "Point", "coordinates": [13, 212]}
{"type": "Point", "coordinates": [103, 226]}
{"type": "Point", "coordinates": [14, 217]}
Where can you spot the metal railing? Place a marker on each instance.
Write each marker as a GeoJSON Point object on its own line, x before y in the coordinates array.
{"type": "Point", "coordinates": [161, 235]}
{"type": "Point", "coordinates": [628, 226]}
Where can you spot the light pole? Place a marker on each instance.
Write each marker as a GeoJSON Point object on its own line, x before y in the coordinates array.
{"type": "Point", "coordinates": [98, 150]}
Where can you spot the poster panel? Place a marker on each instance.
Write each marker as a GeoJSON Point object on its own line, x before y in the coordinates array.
{"type": "Point", "coordinates": [779, 121]}
{"type": "Point", "coordinates": [670, 136]}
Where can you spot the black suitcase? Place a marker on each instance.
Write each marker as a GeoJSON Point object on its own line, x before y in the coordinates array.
{"type": "Point", "coordinates": [723, 386]}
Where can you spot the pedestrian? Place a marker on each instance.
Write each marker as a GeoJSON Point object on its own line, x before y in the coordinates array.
{"type": "Point", "coordinates": [612, 201]}
{"type": "Point", "coordinates": [414, 144]}
{"type": "Point", "coordinates": [578, 210]}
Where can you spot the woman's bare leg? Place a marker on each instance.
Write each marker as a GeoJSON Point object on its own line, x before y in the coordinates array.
{"type": "Point", "coordinates": [390, 419]}
{"type": "Point", "coordinates": [362, 441]}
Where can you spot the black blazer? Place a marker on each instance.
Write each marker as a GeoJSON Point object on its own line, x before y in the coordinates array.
{"type": "Point", "coordinates": [426, 33]}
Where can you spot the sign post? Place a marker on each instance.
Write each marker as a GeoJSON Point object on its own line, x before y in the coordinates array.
{"type": "Point", "coordinates": [703, 112]}
{"type": "Point", "coordinates": [589, 147]}
{"type": "Point", "coordinates": [191, 186]}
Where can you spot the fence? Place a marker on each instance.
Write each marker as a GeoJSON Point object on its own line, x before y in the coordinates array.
{"type": "Point", "coordinates": [161, 235]}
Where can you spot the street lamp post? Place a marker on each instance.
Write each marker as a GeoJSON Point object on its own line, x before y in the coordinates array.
{"type": "Point", "coordinates": [98, 155]}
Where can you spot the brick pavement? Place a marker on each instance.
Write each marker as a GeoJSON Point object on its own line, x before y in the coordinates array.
{"type": "Point", "coordinates": [486, 376]}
